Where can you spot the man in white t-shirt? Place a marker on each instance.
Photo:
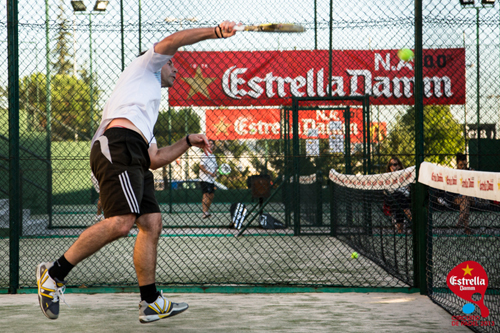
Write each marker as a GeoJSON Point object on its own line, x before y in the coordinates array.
{"type": "Point", "coordinates": [208, 172]}
{"type": "Point", "coordinates": [123, 151]}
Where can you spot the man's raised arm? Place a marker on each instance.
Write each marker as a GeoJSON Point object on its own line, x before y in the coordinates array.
{"type": "Point", "coordinates": [172, 43]}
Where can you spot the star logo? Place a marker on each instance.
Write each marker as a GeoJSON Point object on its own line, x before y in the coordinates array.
{"type": "Point", "coordinates": [221, 127]}
{"type": "Point", "coordinates": [467, 270]}
{"type": "Point", "coordinates": [198, 84]}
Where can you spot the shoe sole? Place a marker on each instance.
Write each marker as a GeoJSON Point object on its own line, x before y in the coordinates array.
{"type": "Point", "coordinates": [38, 277]}
{"type": "Point", "coordinates": [150, 319]}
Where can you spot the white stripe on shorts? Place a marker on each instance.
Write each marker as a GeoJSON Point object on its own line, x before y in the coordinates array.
{"type": "Point", "coordinates": [105, 147]}
{"type": "Point", "coordinates": [128, 191]}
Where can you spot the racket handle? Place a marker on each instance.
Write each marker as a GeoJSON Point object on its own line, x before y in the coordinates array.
{"type": "Point", "coordinates": [239, 27]}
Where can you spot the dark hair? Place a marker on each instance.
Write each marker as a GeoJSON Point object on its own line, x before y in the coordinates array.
{"type": "Point", "coordinates": [461, 157]}
{"type": "Point", "coordinates": [141, 53]}
{"type": "Point", "coordinates": [388, 168]}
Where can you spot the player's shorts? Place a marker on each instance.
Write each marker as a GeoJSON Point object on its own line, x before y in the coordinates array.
{"type": "Point", "coordinates": [120, 161]}
{"type": "Point", "coordinates": [207, 187]}
{"type": "Point", "coordinates": [94, 182]}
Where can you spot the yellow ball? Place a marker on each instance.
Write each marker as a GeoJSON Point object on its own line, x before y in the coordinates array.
{"type": "Point", "coordinates": [405, 54]}
{"type": "Point", "coordinates": [354, 255]}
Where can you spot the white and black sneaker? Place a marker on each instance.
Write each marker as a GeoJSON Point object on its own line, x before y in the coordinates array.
{"type": "Point", "coordinates": [161, 308]}
{"type": "Point", "coordinates": [49, 291]}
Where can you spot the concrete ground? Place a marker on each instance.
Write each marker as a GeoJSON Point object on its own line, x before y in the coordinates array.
{"type": "Point", "coordinates": [301, 312]}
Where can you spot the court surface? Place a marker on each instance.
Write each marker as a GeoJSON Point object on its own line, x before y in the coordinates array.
{"type": "Point", "coordinates": [301, 312]}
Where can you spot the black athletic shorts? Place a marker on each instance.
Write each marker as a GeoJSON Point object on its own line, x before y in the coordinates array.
{"type": "Point", "coordinates": [120, 161]}
{"type": "Point", "coordinates": [207, 187]}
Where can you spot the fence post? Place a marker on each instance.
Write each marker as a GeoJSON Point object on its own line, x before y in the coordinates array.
{"type": "Point", "coordinates": [420, 234]}
{"type": "Point", "coordinates": [14, 159]}
{"type": "Point", "coordinates": [296, 167]}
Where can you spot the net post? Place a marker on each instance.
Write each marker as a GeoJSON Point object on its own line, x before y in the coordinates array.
{"type": "Point", "coordinates": [419, 207]}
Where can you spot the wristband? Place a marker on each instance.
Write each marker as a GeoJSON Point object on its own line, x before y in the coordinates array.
{"type": "Point", "coordinates": [216, 34]}
{"type": "Point", "coordinates": [188, 142]}
{"type": "Point", "coordinates": [220, 30]}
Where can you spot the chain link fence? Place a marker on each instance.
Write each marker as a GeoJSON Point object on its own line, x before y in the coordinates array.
{"type": "Point", "coordinates": [271, 156]}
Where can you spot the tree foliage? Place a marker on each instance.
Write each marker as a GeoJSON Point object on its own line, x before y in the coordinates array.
{"type": "Point", "coordinates": [443, 136]}
{"type": "Point", "coordinates": [172, 125]}
{"type": "Point", "coordinates": [72, 103]}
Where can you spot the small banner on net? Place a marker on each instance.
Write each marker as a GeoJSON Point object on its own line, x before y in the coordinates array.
{"type": "Point", "coordinates": [382, 181]}
{"type": "Point", "coordinates": [479, 184]}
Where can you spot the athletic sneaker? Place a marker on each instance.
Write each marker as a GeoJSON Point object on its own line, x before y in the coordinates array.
{"type": "Point", "coordinates": [161, 308]}
{"type": "Point", "coordinates": [49, 291]}
{"type": "Point", "coordinates": [443, 202]}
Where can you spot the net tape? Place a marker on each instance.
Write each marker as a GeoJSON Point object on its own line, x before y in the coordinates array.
{"type": "Point", "coordinates": [479, 184]}
{"type": "Point", "coordinates": [383, 181]}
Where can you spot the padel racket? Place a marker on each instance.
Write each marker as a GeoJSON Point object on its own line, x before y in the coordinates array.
{"type": "Point", "coordinates": [271, 27]}
{"type": "Point", "coordinates": [224, 169]}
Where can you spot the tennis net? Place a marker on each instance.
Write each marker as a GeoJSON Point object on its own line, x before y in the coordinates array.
{"type": "Point", "coordinates": [372, 214]}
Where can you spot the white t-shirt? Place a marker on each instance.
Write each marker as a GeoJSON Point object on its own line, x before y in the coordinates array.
{"type": "Point", "coordinates": [137, 95]}
{"type": "Point", "coordinates": [209, 162]}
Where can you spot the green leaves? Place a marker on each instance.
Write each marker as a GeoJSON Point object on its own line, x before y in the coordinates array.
{"type": "Point", "coordinates": [71, 105]}
{"type": "Point", "coordinates": [443, 136]}
{"type": "Point", "coordinates": [175, 124]}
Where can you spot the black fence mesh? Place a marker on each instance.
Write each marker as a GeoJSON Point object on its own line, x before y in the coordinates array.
{"type": "Point", "coordinates": [238, 91]}
{"type": "Point", "coordinates": [463, 228]}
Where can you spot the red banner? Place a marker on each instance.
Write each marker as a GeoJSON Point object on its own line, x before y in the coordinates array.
{"type": "Point", "coordinates": [273, 77]}
{"type": "Point", "coordinates": [223, 124]}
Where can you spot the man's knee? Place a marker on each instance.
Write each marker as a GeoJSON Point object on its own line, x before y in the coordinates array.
{"type": "Point", "coordinates": [151, 223]}
{"type": "Point", "coordinates": [122, 224]}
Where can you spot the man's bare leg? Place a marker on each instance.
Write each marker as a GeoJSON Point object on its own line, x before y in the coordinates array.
{"type": "Point", "coordinates": [145, 249]}
{"type": "Point", "coordinates": [98, 235]}
{"type": "Point", "coordinates": [207, 202]}
{"type": "Point", "coordinates": [153, 305]}
{"type": "Point", "coordinates": [463, 218]}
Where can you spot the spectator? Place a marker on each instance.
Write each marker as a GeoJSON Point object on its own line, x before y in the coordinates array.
{"type": "Point", "coordinates": [462, 201]}
{"type": "Point", "coordinates": [398, 200]}
{"type": "Point", "coordinates": [208, 172]}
